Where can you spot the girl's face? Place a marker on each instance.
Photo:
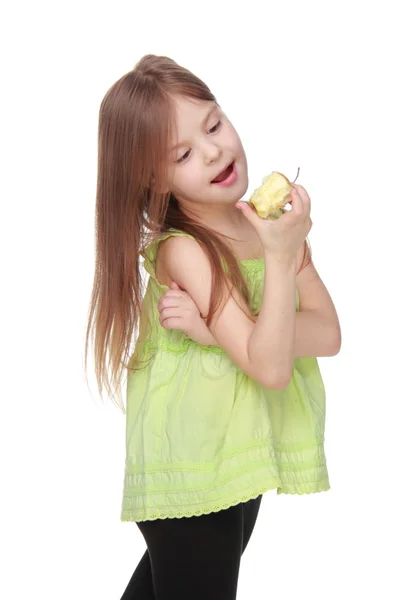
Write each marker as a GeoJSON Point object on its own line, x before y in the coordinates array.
{"type": "Point", "coordinates": [206, 143]}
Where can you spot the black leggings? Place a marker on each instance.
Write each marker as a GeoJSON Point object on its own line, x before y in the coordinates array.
{"type": "Point", "coordinates": [193, 558]}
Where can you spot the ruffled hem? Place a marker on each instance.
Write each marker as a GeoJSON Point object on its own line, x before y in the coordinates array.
{"type": "Point", "coordinates": [177, 513]}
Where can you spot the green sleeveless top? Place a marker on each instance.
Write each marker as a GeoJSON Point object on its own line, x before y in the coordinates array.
{"type": "Point", "coordinates": [202, 436]}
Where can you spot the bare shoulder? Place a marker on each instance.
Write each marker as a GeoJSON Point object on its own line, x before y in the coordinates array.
{"type": "Point", "coordinates": [177, 252]}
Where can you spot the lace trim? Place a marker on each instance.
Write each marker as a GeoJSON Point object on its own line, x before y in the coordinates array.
{"type": "Point", "coordinates": [320, 486]}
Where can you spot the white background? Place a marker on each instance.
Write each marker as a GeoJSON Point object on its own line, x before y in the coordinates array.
{"type": "Point", "coordinates": [307, 84]}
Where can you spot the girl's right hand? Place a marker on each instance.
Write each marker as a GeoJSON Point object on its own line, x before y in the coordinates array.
{"type": "Point", "coordinates": [283, 237]}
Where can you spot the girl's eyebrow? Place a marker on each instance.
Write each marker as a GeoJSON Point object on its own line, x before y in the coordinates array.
{"type": "Point", "coordinates": [208, 115]}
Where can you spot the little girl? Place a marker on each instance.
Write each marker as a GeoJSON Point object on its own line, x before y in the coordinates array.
{"type": "Point", "coordinates": [225, 399]}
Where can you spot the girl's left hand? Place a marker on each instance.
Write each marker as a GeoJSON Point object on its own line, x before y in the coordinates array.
{"type": "Point", "coordinates": [178, 311]}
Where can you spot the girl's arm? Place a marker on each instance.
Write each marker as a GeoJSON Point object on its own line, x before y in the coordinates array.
{"type": "Point", "coordinates": [265, 350]}
{"type": "Point", "coordinates": [317, 324]}
{"type": "Point", "coordinates": [317, 329]}
{"type": "Point", "coordinates": [273, 335]}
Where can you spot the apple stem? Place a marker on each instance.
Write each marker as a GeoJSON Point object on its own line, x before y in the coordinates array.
{"type": "Point", "coordinates": [298, 171]}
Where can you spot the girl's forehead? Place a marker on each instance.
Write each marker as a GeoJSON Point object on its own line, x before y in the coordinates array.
{"type": "Point", "coordinates": [190, 115]}
{"type": "Point", "coordinates": [188, 108]}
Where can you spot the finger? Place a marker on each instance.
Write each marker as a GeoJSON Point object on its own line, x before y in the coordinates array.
{"type": "Point", "coordinates": [168, 303]}
{"type": "Point", "coordinates": [250, 214]}
{"type": "Point", "coordinates": [174, 294]}
{"type": "Point", "coordinates": [171, 322]}
{"type": "Point", "coordinates": [297, 201]}
{"type": "Point", "coordinates": [301, 191]}
{"type": "Point", "coordinates": [304, 196]}
{"type": "Point", "coordinates": [174, 286]}
{"type": "Point", "coordinates": [168, 311]}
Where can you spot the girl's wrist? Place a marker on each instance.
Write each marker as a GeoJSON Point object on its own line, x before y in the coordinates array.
{"type": "Point", "coordinates": [280, 262]}
{"type": "Point", "coordinates": [202, 335]}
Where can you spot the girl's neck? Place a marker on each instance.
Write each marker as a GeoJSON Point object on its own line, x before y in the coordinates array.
{"type": "Point", "coordinates": [220, 219]}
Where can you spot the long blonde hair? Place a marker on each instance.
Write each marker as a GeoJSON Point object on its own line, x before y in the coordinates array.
{"type": "Point", "coordinates": [135, 123]}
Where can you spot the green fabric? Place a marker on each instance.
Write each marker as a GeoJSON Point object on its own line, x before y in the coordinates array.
{"type": "Point", "coordinates": [200, 434]}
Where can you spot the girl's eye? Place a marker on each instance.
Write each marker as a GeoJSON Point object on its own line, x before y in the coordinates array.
{"type": "Point", "coordinates": [183, 157]}
{"type": "Point", "coordinates": [216, 127]}
{"type": "Point", "coordinates": [213, 129]}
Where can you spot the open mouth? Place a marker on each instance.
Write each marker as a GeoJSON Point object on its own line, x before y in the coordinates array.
{"type": "Point", "coordinates": [224, 174]}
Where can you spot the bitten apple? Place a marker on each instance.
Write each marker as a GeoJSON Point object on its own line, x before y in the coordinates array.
{"type": "Point", "coordinates": [269, 199]}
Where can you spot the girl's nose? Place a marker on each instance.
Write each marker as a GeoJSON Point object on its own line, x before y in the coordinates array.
{"type": "Point", "coordinates": [211, 152]}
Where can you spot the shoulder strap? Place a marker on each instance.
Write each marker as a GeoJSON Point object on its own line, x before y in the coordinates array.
{"type": "Point", "coordinates": [150, 252]}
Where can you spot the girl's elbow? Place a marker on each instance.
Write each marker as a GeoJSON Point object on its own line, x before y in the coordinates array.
{"type": "Point", "coordinates": [277, 382]}
{"type": "Point", "coordinates": [336, 343]}
{"type": "Point", "coordinates": [279, 385]}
